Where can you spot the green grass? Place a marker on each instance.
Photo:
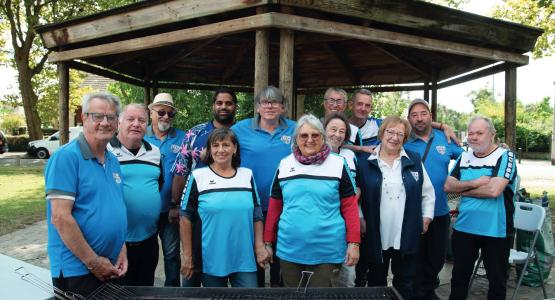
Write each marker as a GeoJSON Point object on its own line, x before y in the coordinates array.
{"type": "Point", "coordinates": [21, 198]}
{"type": "Point", "coordinates": [538, 193]}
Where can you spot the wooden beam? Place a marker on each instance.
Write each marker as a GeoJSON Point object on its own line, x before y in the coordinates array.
{"type": "Point", "coordinates": [63, 102]}
{"type": "Point", "coordinates": [404, 58]}
{"type": "Point", "coordinates": [145, 17]}
{"type": "Point", "coordinates": [433, 104]}
{"type": "Point", "coordinates": [286, 65]}
{"type": "Point", "coordinates": [236, 61]}
{"type": "Point", "coordinates": [394, 38]}
{"type": "Point", "coordinates": [180, 55]}
{"type": "Point", "coordinates": [147, 96]}
{"type": "Point", "coordinates": [167, 39]}
{"type": "Point", "coordinates": [261, 56]}
{"type": "Point", "coordinates": [202, 87]}
{"type": "Point", "coordinates": [510, 107]}
{"type": "Point", "coordinates": [474, 75]}
{"type": "Point", "coordinates": [344, 61]}
{"type": "Point", "coordinates": [426, 91]}
{"type": "Point", "coordinates": [376, 89]}
{"type": "Point", "coordinates": [133, 56]}
{"type": "Point", "coordinates": [104, 73]}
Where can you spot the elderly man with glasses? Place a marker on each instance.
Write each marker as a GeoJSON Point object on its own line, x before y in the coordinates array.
{"type": "Point", "coordinates": [168, 139]}
{"type": "Point", "coordinates": [86, 213]}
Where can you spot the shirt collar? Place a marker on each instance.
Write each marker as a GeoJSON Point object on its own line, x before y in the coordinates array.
{"type": "Point", "coordinates": [256, 122]}
{"type": "Point", "coordinates": [375, 155]}
{"type": "Point", "coordinates": [413, 137]}
{"type": "Point", "coordinates": [84, 147]}
{"type": "Point", "coordinates": [150, 133]}
{"type": "Point", "coordinates": [115, 143]}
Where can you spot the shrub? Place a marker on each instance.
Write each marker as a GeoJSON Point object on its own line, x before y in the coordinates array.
{"type": "Point", "coordinates": [12, 122]}
{"type": "Point", "coordinates": [18, 143]}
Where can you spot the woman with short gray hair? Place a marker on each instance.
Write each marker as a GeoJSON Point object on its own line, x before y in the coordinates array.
{"type": "Point", "coordinates": [313, 208]}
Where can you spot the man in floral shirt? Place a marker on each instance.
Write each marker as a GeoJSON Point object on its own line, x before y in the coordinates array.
{"type": "Point", "coordinates": [190, 157]}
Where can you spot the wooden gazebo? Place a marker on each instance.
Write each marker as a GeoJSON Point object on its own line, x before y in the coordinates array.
{"type": "Point", "coordinates": [294, 44]}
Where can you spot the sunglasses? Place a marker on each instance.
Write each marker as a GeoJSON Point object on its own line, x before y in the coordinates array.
{"type": "Point", "coordinates": [162, 113]}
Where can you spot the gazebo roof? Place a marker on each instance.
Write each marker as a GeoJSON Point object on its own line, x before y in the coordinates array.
{"type": "Point", "coordinates": [207, 43]}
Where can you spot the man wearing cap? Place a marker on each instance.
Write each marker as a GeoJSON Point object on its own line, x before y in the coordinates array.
{"type": "Point", "coordinates": [436, 153]}
{"type": "Point", "coordinates": [85, 210]}
{"type": "Point", "coordinates": [168, 139]}
{"type": "Point", "coordinates": [142, 179]}
{"type": "Point", "coordinates": [190, 157]}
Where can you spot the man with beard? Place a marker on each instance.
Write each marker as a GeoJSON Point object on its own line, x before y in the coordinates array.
{"type": "Point", "coordinates": [485, 178]}
{"type": "Point", "coordinates": [167, 138]}
{"type": "Point", "coordinates": [190, 157]}
{"type": "Point", "coordinates": [436, 153]}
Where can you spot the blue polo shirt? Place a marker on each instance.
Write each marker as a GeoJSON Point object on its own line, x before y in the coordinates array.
{"type": "Point", "coordinates": [437, 163]}
{"type": "Point", "coordinates": [262, 151]}
{"type": "Point", "coordinates": [169, 148]}
{"type": "Point", "coordinates": [74, 173]}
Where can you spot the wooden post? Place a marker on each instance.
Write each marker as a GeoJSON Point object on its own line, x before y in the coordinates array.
{"type": "Point", "coordinates": [261, 56]}
{"type": "Point", "coordinates": [427, 91]}
{"type": "Point", "coordinates": [510, 107]}
{"type": "Point", "coordinates": [300, 106]}
{"type": "Point", "coordinates": [147, 91]}
{"type": "Point", "coordinates": [63, 102]}
{"type": "Point", "coordinates": [154, 88]}
{"type": "Point", "coordinates": [434, 98]}
{"type": "Point", "coordinates": [553, 133]}
{"type": "Point", "coordinates": [286, 63]}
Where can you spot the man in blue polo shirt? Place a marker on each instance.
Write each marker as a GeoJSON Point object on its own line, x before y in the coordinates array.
{"type": "Point", "coordinates": [85, 209]}
{"type": "Point", "coordinates": [141, 169]}
{"type": "Point", "coordinates": [168, 139]}
{"type": "Point", "coordinates": [436, 153]}
{"type": "Point", "coordinates": [190, 158]}
{"type": "Point", "coordinates": [264, 141]}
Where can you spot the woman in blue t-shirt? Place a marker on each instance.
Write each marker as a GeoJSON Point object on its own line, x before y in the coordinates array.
{"type": "Point", "coordinates": [225, 198]}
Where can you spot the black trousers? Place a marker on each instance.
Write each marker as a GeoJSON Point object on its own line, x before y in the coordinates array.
{"type": "Point", "coordinates": [82, 285]}
{"type": "Point", "coordinates": [431, 257]}
{"type": "Point", "coordinates": [142, 258]}
{"type": "Point", "coordinates": [403, 268]}
{"type": "Point", "coordinates": [275, 272]}
{"type": "Point", "coordinates": [495, 254]}
{"type": "Point", "coordinates": [361, 268]}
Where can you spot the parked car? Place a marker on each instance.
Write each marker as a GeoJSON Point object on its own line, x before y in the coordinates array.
{"type": "Point", "coordinates": [3, 143]}
{"type": "Point", "coordinates": [45, 147]}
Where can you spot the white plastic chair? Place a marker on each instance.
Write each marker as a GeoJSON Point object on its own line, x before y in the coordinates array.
{"type": "Point", "coordinates": [528, 217]}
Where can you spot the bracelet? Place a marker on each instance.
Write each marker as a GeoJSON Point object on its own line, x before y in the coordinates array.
{"type": "Point", "coordinates": [354, 244]}
{"type": "Point", "coordinates": [94, 264]}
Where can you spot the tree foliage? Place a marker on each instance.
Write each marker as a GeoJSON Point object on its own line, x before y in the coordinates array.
{"type": "Point", "coordinates": [450, 3]}
{"type": "Point", "coordinates": [388, 104]}
{"type": "Point", "coordinates": [537, 13]}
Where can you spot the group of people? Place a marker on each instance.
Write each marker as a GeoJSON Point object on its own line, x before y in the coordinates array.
{"type": "Point", "coordinates": [337, 200]}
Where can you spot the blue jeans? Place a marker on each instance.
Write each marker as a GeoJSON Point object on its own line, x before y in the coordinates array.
{"type": "Point", "coordinates": [239, 279]}
{"type": "Point", "coordinates": [169, 237]}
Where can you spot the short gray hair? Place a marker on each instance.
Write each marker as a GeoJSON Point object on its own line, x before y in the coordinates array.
{"type": "Point", "coordinates": [491, 127]}
{"type": "Point", "coordinates": [337, 90]}
{"type": "Point", "coordinates": [104, 96]}
{"type": "Point", "coordinates": [362, 92]}
{"type": "Point", "coordinates": [133, 105]}
{"type": "Point", "coordinates": [313, 122]}
{"type": "Point", "coordinates": [270, 93]}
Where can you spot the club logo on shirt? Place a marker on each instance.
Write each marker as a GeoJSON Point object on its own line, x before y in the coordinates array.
{"type": "Point", "coordinates": [441, 150]}
{"type": "Point", "coordinates": [117, 178]}
{"type": "Point", "coordinates": [212, 181]}
{"type": "Point", "coordinates": [286, 139]}
{"type": "Point", "coordinates": [291, 170]}
{"type": "Point", "coordinates": [414, 175]}
{"type": "Point", "coordinates": [175, 148]}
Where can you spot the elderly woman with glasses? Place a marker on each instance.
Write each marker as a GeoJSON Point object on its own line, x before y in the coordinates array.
{"type": "Point", "coordinates": [313, 209]}
{"type": "Point", "coordinates": [397, 200]}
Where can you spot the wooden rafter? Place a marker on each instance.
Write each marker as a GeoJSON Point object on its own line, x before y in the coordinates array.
{"type": "Point", "coordinates": [236, 61]}
{"type": "Point", "coordinates": [474, 75]}
{"type": "Point", "coordinates": [104, 73]}
{"type": "Point", "coordinates": [180, 55]}
{"type": "Point", "coordinates": [404, 59]}
{"type": "Point", "coordinates": [343, 59]}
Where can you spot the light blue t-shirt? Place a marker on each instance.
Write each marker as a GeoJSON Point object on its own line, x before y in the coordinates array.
{"type": "Point", "coordinates": [491, 217]}
{"type": "Point", "coordinates": [262, 151]}
{"type": "Point", "coordinates": [311, 229]}
{"type": "Point", "coordinates": [142, 179]}
{"type": "Point", "coordinates": [99, 210]}
{"type": "Point", "coordinates": [228, 208]}
{"type": "Point", "coordinates": [169, 147]}
{"type": "Point", "coordinates": [437, 163]}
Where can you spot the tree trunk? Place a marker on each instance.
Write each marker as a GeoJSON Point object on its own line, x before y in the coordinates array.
{"type": "Point", "coordinates": [29, 99]}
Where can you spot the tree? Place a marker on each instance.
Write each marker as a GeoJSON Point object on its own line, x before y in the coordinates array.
{"type": "Point", "coordinates": [388, 104]}
{"type": "Point", "coordinates": [537, 13]}
{"type": "Point", "coordinates": [29, 56]}
{"type": "Point", "coordinates": [450, 3]}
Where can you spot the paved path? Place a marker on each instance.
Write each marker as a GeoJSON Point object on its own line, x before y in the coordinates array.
{"type": "Point", "coordinates": [29, 244]}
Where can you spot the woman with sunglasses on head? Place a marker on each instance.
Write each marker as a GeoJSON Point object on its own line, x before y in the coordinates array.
{"type": "Point", "coordinates": [313, 209]}
{"type": "Point", "coordinates": [225, 198]}
{"type": "Point", "coordinates": [397, 200]}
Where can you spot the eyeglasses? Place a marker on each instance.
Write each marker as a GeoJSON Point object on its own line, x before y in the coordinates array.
{"type": "Point", "coordinates": [99, 117]}
{"type": "Point", "coordinates": [332, 101]}
{"type": "Point", "coordinates": [400, 135]}
{"type": "Point", "coordinates": [162, 113]}
{"type": "Point", "coordinates": [314, 136]}
{"type": "Point", "coordinates": [266, 103]}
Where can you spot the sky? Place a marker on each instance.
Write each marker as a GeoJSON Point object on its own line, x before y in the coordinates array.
{"type": "Point", "coordinates": [534, 81]}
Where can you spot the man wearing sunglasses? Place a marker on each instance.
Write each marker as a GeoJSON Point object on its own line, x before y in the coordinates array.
{"type": "Point", "coordinates": [161, 134]}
